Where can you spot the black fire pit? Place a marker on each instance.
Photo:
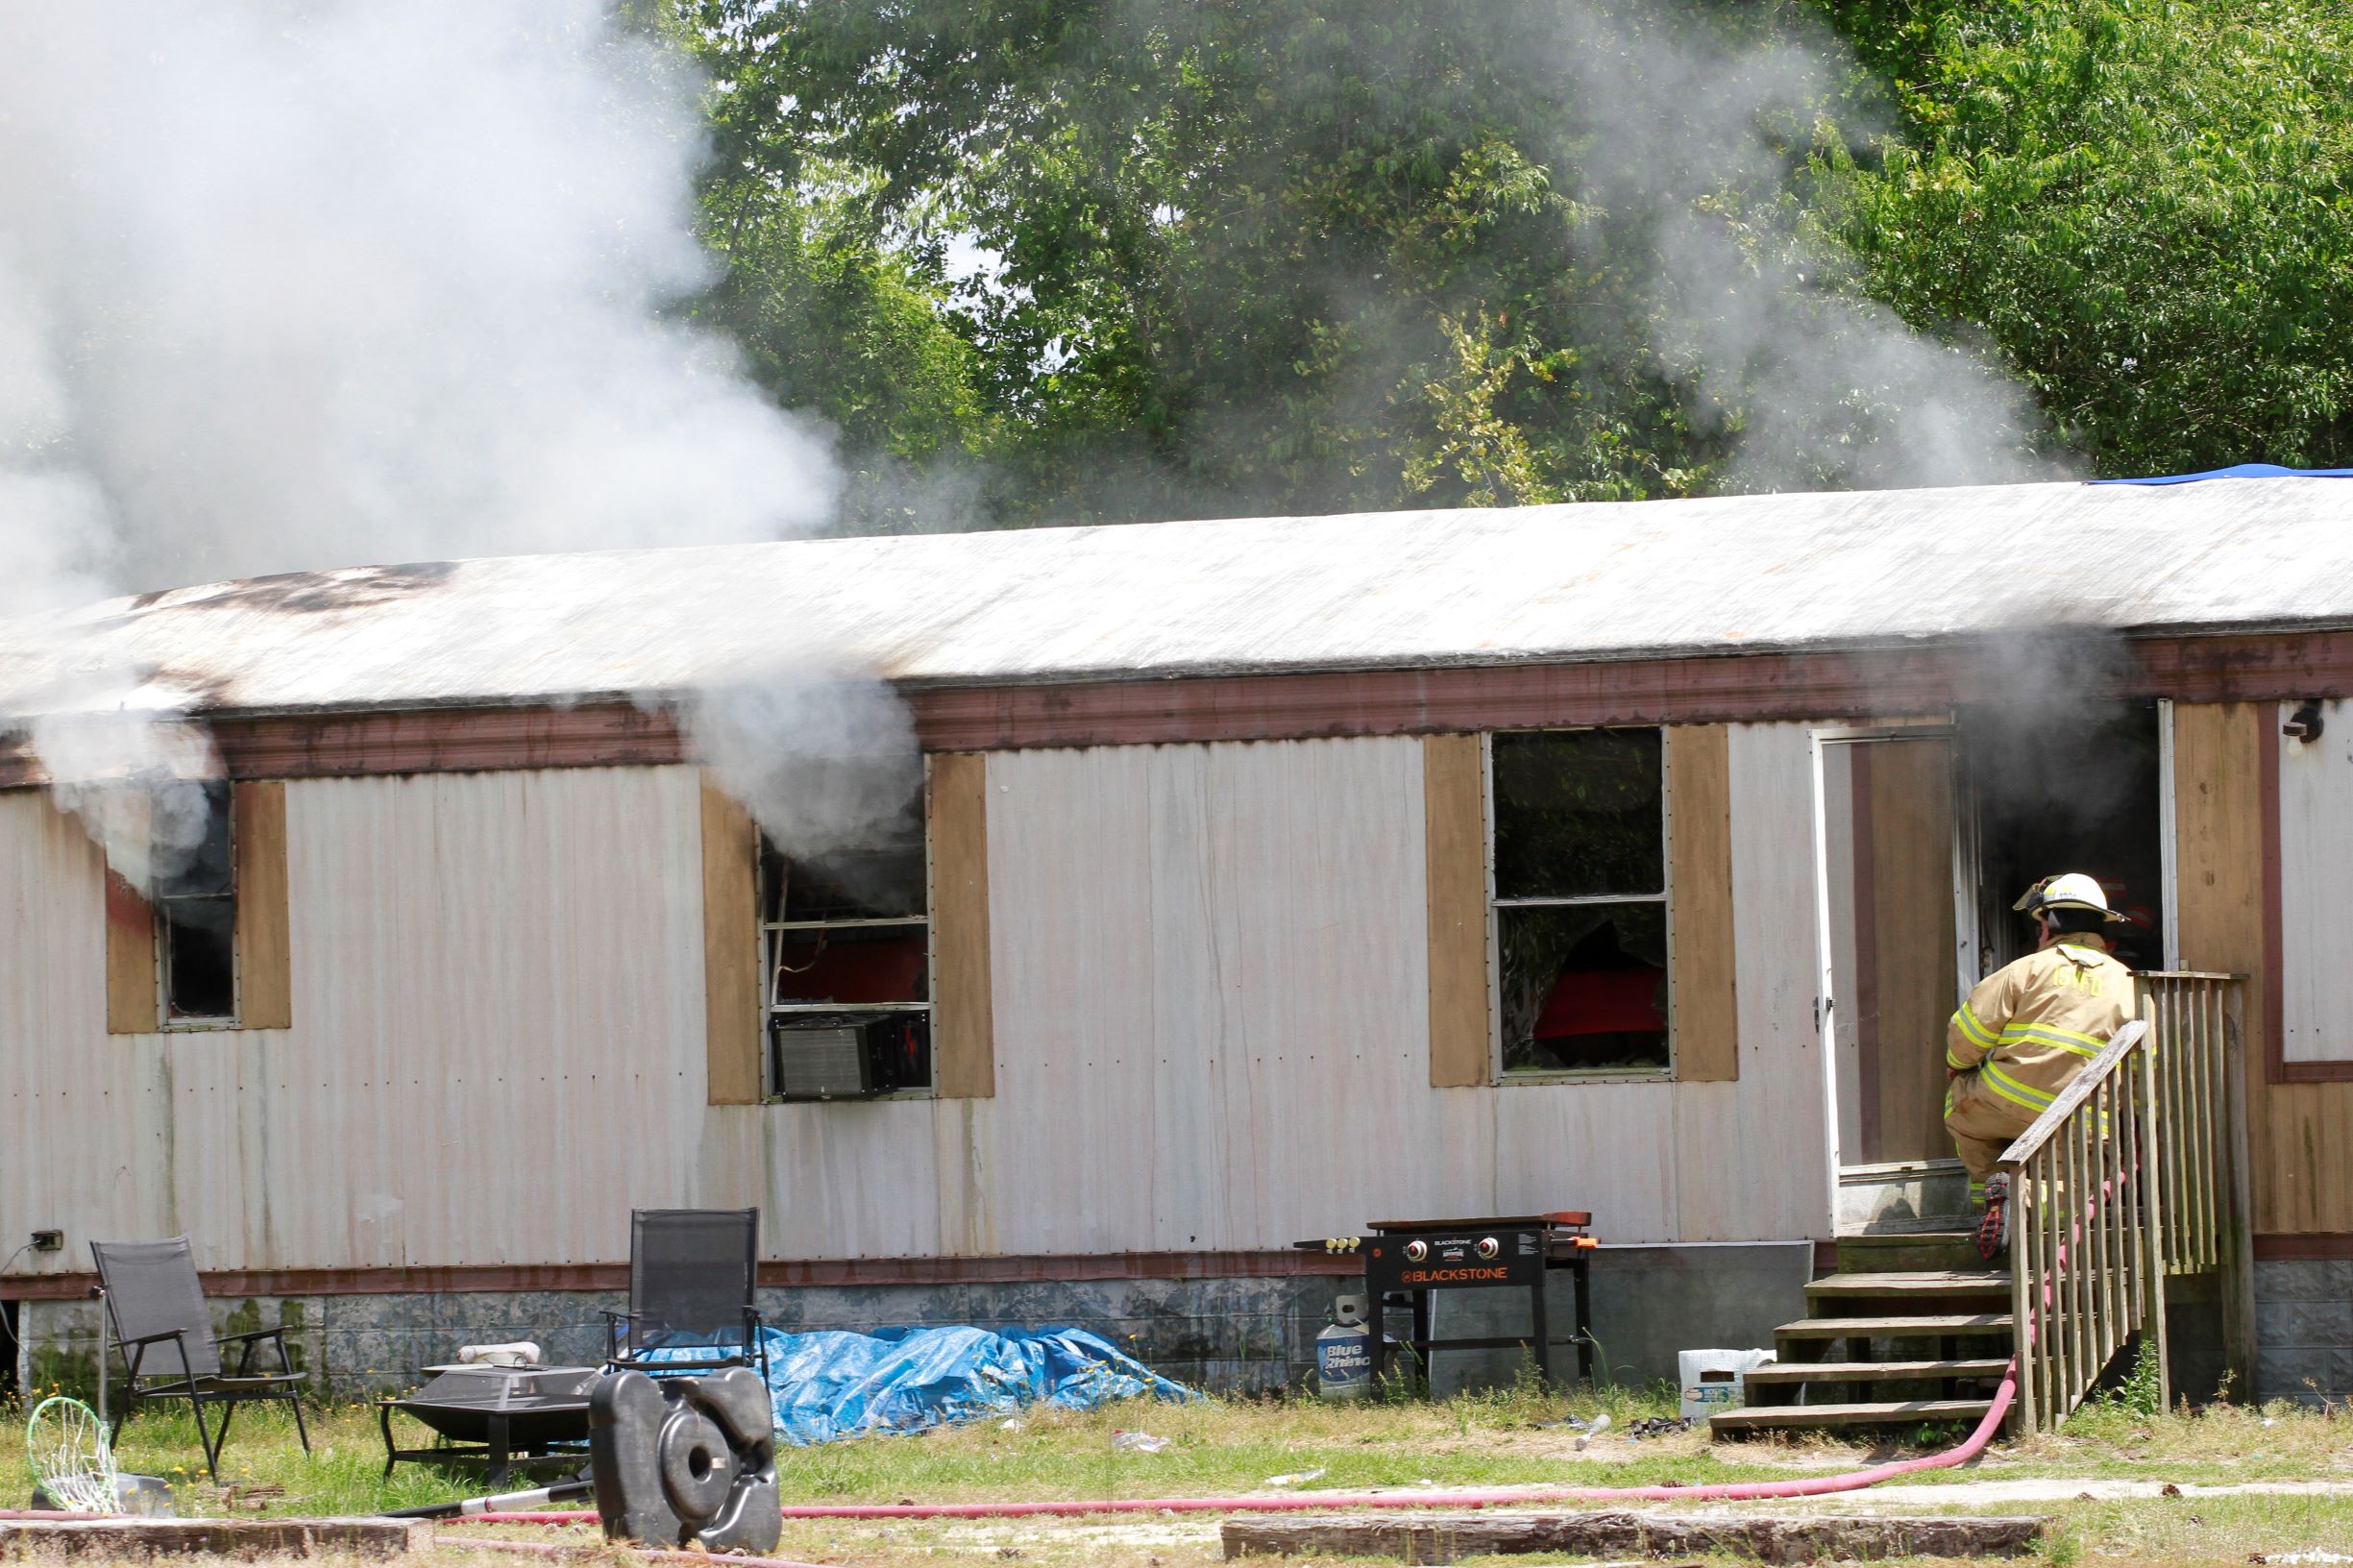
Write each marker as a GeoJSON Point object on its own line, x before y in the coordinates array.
{"type": "Point", "coordinates": [501, 1417]}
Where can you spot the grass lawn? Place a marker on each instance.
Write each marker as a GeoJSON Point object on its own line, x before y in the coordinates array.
{"type": "Point", "coordinates": [1220, 1447]}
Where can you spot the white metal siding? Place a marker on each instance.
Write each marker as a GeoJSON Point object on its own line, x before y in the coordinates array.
{"type": "Point", "coordinates": [497, 1013]}
{"type": "Point", "coordinates": [497, 1047]}
{"type": "Point", "coordinates": [1253, 915]}
{"type": "Point", "coordinates": [2316, 875]}
{"type": "Point", "coordinates": [1210, 969]}
{"type": "Point", "coordinates": [89, 1136]}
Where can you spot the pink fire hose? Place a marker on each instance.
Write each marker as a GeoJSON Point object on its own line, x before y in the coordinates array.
{"type": "Point", "coordinates": [1740, 1491]}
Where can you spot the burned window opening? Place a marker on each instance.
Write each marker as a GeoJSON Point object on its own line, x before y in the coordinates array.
{"type": "Point", "coordinates": [846, 941]}
{"type": "Point", "coordinates": [1580, 900]}
{"type": "Point", "coordinates": [196, 920]}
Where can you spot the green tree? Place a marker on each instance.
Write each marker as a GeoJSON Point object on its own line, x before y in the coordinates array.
{"type": "Point", "coordinates": [1254, 255]}
{"type": "Point", "coordinates": [2143, 202]}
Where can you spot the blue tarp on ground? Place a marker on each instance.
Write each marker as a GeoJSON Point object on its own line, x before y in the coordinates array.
{"type": "Point", "coordinates": [834, 1385]}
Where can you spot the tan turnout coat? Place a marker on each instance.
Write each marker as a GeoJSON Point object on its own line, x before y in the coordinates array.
{"type": "Point", "coordinates": [2029, 1027]}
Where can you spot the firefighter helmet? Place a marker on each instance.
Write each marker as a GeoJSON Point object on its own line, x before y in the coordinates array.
{"type": "Point", "coordinates": [2072, 890]}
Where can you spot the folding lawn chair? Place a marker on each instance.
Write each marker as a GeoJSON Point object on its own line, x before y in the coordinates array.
{"type": "Point", "coordinates": [155, 1306]}
{"type": "Point", "coordinates": [690, 1288]}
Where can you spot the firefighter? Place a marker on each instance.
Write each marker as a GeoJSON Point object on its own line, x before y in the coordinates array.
{"type": "Point", "coordinates": [2026, 1030]}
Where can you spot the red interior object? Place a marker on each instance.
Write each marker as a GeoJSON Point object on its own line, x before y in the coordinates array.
{"type": "Point", "coordinates": [856, 972]}
{"type": "Point", "coordinates": [1603, 1002]}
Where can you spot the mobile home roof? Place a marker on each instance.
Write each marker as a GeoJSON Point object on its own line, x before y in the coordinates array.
{"type": "Point", "coordinates": [1375, 591]}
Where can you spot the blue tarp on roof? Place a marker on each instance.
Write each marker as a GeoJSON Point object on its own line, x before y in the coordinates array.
{"type": "Point", "coordinates": [2240, 471]}
{"type": "Point", "coordinates": [829, 1384]}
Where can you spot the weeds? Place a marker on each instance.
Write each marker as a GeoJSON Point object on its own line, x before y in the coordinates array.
{"type": "Point", "coordinates": [2141, 1393]}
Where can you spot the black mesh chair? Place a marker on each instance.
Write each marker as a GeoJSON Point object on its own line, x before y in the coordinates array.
{"type": "Point", "coordinates": [690, 1277]}
{"type": "Point", "coordinates": [156, 1306]}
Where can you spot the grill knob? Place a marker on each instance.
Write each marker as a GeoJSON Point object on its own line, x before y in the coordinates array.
{"type": "Point", "coordinates": [1489, 1246]}
{"type": "Point", "coordinates": [1416, 1251]}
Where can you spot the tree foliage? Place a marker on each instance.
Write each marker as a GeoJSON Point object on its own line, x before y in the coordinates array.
{"type": "Point", "coordinates": [1244, 257]}
{"type": "Point", "coordinates": [2143, 202]}
{"type": "Point", "coordinates": [1104, 259]}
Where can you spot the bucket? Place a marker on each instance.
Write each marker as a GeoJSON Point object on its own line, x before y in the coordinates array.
{"type": "Point", "coordinates": [1716, 1379]}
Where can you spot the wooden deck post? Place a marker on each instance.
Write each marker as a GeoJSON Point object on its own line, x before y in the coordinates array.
{"type": "Point", "coordinates": [2237, 1242]}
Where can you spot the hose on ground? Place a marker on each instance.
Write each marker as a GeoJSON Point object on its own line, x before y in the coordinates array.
{"type": "Point", "coordinates": [1738, 1491]}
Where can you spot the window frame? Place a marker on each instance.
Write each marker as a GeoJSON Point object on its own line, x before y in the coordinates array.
{"type": "Point", "coordinates": [764, 930]}
{"type": "Point", "coordinates": [159, 905]}
{"type": "Point", "coordinates": [1500, 1075]}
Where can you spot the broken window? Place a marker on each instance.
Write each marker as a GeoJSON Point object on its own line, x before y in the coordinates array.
{"type": "Point", "coordinates": [1579, 899]}
{"type": "Point", "coordinates": [847, 938]}
{"type": "Point", "coordinates": [196, 917]}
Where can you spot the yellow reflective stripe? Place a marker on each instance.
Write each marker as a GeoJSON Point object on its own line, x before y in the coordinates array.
{"type": "Point", "coordinates": [1975, 1031]}
{"type": "Point", "coordinates": [2015, 1093]}
{"type": "Point", "coordinates": [2045, 1034]}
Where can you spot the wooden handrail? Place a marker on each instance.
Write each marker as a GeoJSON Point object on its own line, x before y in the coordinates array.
{"type": "Point", "coordinates": [2077, 1090]}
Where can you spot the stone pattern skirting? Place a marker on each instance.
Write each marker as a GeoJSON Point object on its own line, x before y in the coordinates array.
{"type": "Point", "coordinates": [2304, 1329]}
{"type": "Point", "coordinates": [1228, 1334]}
{"type": "Point", "coordinates": [1233, 1336]}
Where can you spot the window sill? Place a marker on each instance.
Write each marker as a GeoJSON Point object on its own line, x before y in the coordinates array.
{"type": "Point", "coordinates": [201, 1026]}
{"type": "Point", "coordinates": [1663, 1075]}
{"type": "Point", "coordinates": [857, 1099]}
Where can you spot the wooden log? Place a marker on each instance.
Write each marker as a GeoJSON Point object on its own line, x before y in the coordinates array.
{"type": "Point", "coordinates": [1452, 1537]}
{"type": "Point", "coordinates": [224, 1537]}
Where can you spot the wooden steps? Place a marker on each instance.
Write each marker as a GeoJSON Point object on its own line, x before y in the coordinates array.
{"type": "Point", "coordinates": [1932, 1284]}
{"type": "Point", "coordinates": [1953, 1249]}
{"type": "Point", "coordinates": [1915, 1339]}
{"type": "Point", "coordinates": [1881, 1414]}
{"type": "Point", "coordinates": [1906, 1326]}
{"type": "Point", "coordinates": [1800, 1372]}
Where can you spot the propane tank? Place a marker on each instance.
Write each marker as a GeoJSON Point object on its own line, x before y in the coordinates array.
{"type": "Point", "coordinates": [1344, 1352]}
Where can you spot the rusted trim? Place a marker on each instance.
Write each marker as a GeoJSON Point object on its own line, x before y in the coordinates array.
{"type": "Point", "coordinates": [421, 741]}
{"type": "Point", "coordinates": [2312, 1246]}
{"type": "Point", "coordinates": [1036, 1268]}
{"type": "Point", "coordinates": [1436, 701]}
{"type": "Point", "coordinates": [1876, 683]}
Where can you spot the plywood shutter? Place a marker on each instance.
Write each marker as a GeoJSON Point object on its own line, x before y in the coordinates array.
{"type": "Point", "coordinates": [133, 1005]}
{"type": "Point", "coordinates": [1455, 843]}
{"type": "Point", "coordinates": [1706, 1013]}
{"type": "Point", "coordinates": [963, 1031]}
{"type": "Point", "coordinates": [266, 980]}
{"type": "Point", "coordinates": [2219, 848]}
{"type": "Point", "coordinates": [730, 949]}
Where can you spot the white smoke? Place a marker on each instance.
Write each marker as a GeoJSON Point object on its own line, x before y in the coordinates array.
{"type": "Point", "coordinates": [825, 760]}
{"type": "Point", "coordinates": [288, 283]}
{"type": "Point", "coordinates": [1693, 137]}
{"type": "Point", "coordinates": [135, 778]}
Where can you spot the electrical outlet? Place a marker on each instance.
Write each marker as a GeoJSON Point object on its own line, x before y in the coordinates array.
{"type": "Point", "coordinates": [48, 1240]}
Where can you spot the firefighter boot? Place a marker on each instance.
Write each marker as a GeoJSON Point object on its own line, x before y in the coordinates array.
{"type": "Point", "coordinates": [1994, 1230]}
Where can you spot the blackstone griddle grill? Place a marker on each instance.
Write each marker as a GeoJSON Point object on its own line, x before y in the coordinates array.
{"type": "Point", "coordinates": [501, 1417]}
{"type": "Point", "coordinates": [1406, 1260]}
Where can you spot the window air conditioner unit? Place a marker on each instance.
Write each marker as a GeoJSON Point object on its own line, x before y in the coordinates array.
{"type": "Point", "coordinates": [822, 1059]}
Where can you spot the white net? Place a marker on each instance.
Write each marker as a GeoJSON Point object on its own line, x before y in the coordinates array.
{"type": "Point", "coordinates": [71, 1460]}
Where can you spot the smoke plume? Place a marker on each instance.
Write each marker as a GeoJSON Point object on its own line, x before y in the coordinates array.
{"type": "Point", "coordinates": [826, 761]}
{"type": "Point", "coordinates": [1693, 132]}
{"type": "Point", "coordinates": [288, 283]}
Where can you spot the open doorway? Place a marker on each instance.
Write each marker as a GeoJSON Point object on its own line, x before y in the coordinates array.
{"type": "Point", "coordinates": [2078, 788]}
{"type": "Point", "coordinates": [1930, 833]}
